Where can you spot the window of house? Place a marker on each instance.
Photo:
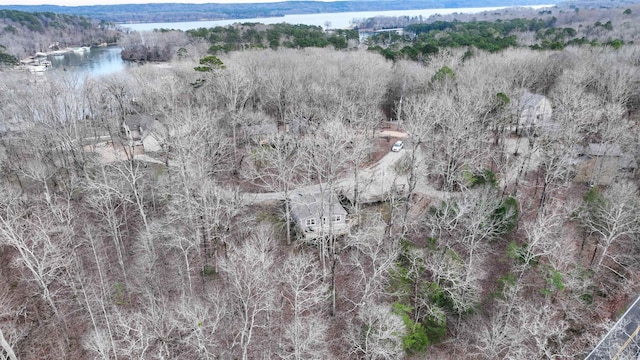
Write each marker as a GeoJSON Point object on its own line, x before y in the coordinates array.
{"type": "Point", "coordinates": [337, 218]}
{"type": "Point", "coordinates": [324, 221]}
{"type": "Point", "coordinates": [310, 222]}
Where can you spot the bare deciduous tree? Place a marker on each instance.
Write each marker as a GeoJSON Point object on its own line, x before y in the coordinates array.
{"type": "Point", "coordinates": [278, 168]}
{"type": "Point", "coordinates": [248, 269]}
{"type": "Point", "coordinates": [518, 329]}
{"type": "Point", "coordinates": [8, 342]}
{"type": "Point", "coordinates": [374, 258]}
{"type": "Point", "coordinates": [378, 333]}
{"type": "Point", "coordinates": [610, 218]}
{"type": "Point", "coordinates": [306, 295]}
{"type": "Point", "coordinates": [44, 247]}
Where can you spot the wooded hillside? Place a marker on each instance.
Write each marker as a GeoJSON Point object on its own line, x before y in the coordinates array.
{"type": "Point", "coordinates": [25, 33]}
{"type": "Point", "coordinates": [550, 28]}
{"type": "Point", "coordinates": [506, 227]}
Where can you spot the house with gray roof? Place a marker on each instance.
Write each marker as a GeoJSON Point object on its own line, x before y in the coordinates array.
{"type": "Point", "coordinates": [145, 130]}
{"type": "Point", "coordinates": [600, 163]}
{"type": "Point", "coordinates": [261, 133]}
{"type": "Point", "coordinates": [531, 113]}
{"type": "Point", "coordinates": [319, 215]}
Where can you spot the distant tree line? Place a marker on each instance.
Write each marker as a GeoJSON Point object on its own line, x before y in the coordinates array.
{"type": "Point", "coordinates": [419, 40]}
{"type": "Point", "coordinates": [6, 59]}
{"type": "Point", "coordinates": [165, 44]}
{"type": "Point", "coordinates": [38, 21]}
{"type": "Point", "coordinates": [158, 45]}
{"type": "Point", "coordinates": [255, 35]}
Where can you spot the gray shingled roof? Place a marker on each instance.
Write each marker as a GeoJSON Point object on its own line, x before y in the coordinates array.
{"type": "Point", "coordinates": [530, 100]}
{"type": "Point", "coordinates": [261, 129]}
{"type": "Point", "coordinates": [604, 150]}
{"type": "Point", "coordinates": [304, 206]}
{"type": "Point", "coordinates": [139, 121]}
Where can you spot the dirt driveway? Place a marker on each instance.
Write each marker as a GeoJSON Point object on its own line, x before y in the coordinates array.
{"type": "Point", "coordinates": [109, 151]}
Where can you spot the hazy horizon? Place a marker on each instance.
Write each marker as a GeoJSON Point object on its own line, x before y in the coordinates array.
{"type": "Point", "coordinates": [123, 2]}
{"type": "Point", "coordinates": [127, 2]}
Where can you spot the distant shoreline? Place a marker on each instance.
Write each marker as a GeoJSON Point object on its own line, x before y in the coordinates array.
{"type": "Point", "coordinates": [338, 20]}
{"type": "Point", "coordinates": [178, 12]}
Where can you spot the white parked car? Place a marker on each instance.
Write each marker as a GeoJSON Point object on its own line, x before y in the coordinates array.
{"type": "Point", "coordinates": [397, 146]}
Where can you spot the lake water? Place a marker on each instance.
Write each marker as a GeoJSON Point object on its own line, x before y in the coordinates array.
{"type": "Point", "coordinates": [342, 20]}
{"type": "Point", "coordinates": [94, 62]}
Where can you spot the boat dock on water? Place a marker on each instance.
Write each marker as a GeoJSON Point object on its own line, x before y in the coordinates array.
{"type": "Point", "coordinates": [35, 64]}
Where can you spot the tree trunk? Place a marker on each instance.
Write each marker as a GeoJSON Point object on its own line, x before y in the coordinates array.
{"type": "Point", "coordinates": [287, 216]}
{"type": "Point", "coordinates": [6, 347]}
{"type": "Point", "coordinates": [333, 285]}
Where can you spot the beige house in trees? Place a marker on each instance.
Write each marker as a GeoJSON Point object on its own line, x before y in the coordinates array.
{"type": "Point", "coordinates": [531, 114]}
{"type": "Point", "coordinates": [599, 164]}
{"type": "Point", "coordinates": [261, 133]}
{"type": "Point", "coordinates": [316, 215]}
{"type": "Point", "coordinates": [145, 130]}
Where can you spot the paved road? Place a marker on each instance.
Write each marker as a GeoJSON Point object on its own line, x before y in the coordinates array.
{"type": "Point", "coordinates": [375, 183]}
{"type": "Point", "coordinates": [380, 179]}
{"type": "Point", "coordinates": [622, 342]}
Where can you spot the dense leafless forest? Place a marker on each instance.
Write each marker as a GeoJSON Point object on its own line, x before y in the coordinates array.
{"type": "Point", "coordinates": [494, 233]}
